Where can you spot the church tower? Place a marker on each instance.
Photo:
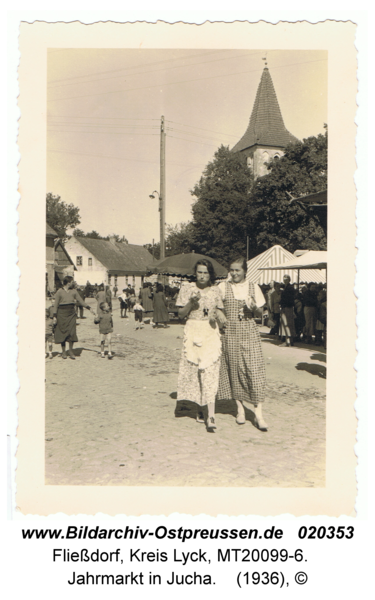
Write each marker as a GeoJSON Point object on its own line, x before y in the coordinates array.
{"type": "Point", "coordinates": [266, 135]}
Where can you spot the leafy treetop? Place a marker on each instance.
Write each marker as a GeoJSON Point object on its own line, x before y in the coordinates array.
{"type": "Point", "coordinates": [301, 171]}
{"type": "Point", "coordinates": [61, 216]}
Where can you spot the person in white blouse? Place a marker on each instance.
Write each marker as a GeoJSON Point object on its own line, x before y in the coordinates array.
{"type": "Point", "coordinates": [242, 369]}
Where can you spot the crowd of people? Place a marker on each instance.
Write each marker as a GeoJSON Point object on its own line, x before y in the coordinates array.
{"type": "Point", "coordinates": [297, 313]}
{"type": "Point", "coordinates": [221, 353]}
{"type": "Point", "coordinates": [68, 303]}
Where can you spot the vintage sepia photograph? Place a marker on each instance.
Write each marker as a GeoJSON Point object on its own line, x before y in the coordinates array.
{"type": "Point", "coordinates": [187, 222]}
{"type": "Point", "coordinates": [186, 267]}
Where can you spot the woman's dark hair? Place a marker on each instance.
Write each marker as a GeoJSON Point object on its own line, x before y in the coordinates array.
{"type": "Point", "coordinates": [102, 305]}
{"type": "Point", "coordinates": [210, 268]}
{"type": "Point", "coordinates": [159, 287]}
{"type": "Point", "coordinates": [67, 279]}
{"type": "Point", "coordinates": [241, 261]}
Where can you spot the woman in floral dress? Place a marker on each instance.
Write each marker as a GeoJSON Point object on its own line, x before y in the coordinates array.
{"type": "Point", "coordinates": [242, 372]}
{"type": "Point", "coordinates": [200, 360]}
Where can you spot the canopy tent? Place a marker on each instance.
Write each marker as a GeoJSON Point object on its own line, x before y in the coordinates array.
{"type": "Point", "coordinates": [276, 262]}
{"type": "Point", "coordinates": [313, 259]}
{"type": "Point", "coordinates": [307, 266]}
{"type": "Point", "coordinates": [182, 265]}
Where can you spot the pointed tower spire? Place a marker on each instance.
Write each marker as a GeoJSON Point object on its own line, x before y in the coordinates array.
{"type": "Point", "coordinates": [266, 128]}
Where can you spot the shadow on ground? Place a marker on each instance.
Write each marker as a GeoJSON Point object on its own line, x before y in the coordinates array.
{"type": "Point", "coordinates": [321, 357]}
{"type": "Point", "coordinates": [186, 408]}
{"type": "Point", "coordinates": [318, 370]}
{"type": "Point", "coordinates": [265, 337]}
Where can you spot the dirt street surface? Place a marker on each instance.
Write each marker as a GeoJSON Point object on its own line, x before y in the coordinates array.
{"type": "Point", "coordinates": [117, 422]}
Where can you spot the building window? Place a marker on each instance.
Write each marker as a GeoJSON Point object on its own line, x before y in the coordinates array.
{"type": "Point", "coordinates": [116, 280]}
{"type": "Point", "coordinates": [109, 279]}
{"type": "Point", "coordinates": [133, 280]}
{"type": "Point", "coordinates": [126, 279]}
{"type": "Point", "coordinates": [90, 262]}
{"type": "Point", "coordinates": [79, 261]}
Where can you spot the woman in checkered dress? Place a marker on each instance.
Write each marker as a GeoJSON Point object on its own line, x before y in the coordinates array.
{"type": "Point", "coordinates": [242, 369]}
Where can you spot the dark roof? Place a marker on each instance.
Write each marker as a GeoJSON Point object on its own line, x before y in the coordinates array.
{"type": "Point", "coordinates": [317, 202]}
{"type": "Point", "coordinates": [183, 265]}
{"type": "Point", "coordinates": [315, 198]}
{"type": "Point", "coordinates": [266, 127]}
{"type": "Point", "coordinates": [50, 232]}
{"type": "Point", "coordinates": [62, 256]}
{"type": "Point", "coordinates": [118, 256]}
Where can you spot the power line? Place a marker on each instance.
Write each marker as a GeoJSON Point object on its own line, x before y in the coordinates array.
{"type": "Point", "coordinates": [112, 118]}
{"type": "Point", "coordinates": [194, 141]}
{"type": "Point", "coordinates": [152, 71]}
{"type": "Point", "coordinates": [72, 123]}
{"type": "Point", "coordinates": [179, 82]}
{"type": "Point", "coordinates": [201, 129]}
{"type": "Point", "coordinates": [101, 132]}
{"type": "Point", "coordinates": [101, 156]}
{"type": "Point", "coordinates": [194, 134]}
{"type": "Point", "coordinates": [158, 62]}
{"type": "Point", "coordinates": [120, 158]}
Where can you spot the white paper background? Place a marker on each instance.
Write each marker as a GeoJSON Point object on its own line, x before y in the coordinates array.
{"type": "Point", "coordinates": [344, 568]}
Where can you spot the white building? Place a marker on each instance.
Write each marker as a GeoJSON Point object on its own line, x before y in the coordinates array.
{"type": "Point", "coordinates": [108, 262]}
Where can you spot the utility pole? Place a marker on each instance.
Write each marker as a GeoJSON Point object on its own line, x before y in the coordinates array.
{"type": "Point", "coordinates": [162, 190]}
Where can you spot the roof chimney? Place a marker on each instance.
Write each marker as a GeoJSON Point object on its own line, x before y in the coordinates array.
{"type": "Point", "coordinates": [112, 239]}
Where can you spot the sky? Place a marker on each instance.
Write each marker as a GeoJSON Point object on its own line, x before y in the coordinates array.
{"type": "Point", "coordinates": [104, 113]}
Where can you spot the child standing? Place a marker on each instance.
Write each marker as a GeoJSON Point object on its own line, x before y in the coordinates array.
{"type": "Point", "coordinates": [49, 329]}
{"type": "Point", "coordinates": [138, 315]}
{"type": "Point", "coordinates": [123, 304]}
{"type": "Point", "coordinates": [104, 319]}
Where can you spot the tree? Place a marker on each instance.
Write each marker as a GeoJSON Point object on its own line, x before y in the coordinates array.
{"type": "Point", "coordinates": [230, 206]}
{"type": "Point", "coordinates": [153, 249]}
{"type": "Point", "coordinates": [179, 239]}
{"type": "Point", "coordinates": [119, 239]}
{"type": "Point", "coordinates": [79, 232]}
{"type": "Point", "coordinates": [222, 208]}
{"type": "Point", "coordinates": [96, 236]}
{"type": "Point", "coordinates": [61, 216]}
{"type": "Point", "coordinates": [301, 171]}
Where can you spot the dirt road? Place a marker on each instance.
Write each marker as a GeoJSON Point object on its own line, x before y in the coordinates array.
{"type": "Point", "coordinates": [117, 422]}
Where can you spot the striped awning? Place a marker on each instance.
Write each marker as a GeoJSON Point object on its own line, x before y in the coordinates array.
{"type": "Point", "coordinates": [274, 257]}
